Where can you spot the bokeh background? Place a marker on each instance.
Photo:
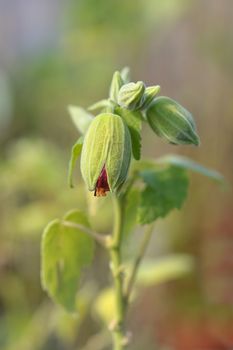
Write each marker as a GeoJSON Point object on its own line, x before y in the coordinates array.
{"type": "Point", "coordinates": [54, 53]}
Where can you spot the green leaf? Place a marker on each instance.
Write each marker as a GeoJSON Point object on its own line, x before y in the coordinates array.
{"type": "Point", "coordinates": [134, 123]}
{"type": "Point", "coordinates": [165, 189]}
{"type": "Point", "coordinates": [65, 252]}
{"type": "Point", "coordinates": [186, 163]}
{"type": "Point", "coordinates": [75, 153]}
{"type": "Point", "coordinates": [81, 118]}
{"type": "Point", "coordinates": [164, 269]}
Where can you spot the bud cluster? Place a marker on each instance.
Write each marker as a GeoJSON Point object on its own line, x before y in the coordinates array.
{"type": "Point", "coordinates": [131, 96]}
{"type": "Point", "coordinates": [109, 140]}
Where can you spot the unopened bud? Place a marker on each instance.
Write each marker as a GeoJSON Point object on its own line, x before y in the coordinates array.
{"type": "Point", "coordinates": [172, 122]}
{"type": "Point", "coordinates": [149, 95]}
{"type": "Point", "coordinates": [125, 74]}
{"type": "Point", "coordinates": [116, 84]}
{"type": "Point", "coordinates": [131, 95]}
{"type": "Point", "coordinates": [106, 154]}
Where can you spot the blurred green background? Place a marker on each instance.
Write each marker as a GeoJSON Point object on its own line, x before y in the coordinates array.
{"type": "Point", "coordinates": [54, 53]}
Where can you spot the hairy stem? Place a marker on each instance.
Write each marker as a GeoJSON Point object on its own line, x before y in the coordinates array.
{"type": "Point", "coordinates": [115, 256]}
{"type": "Point", "coordinates": [142, 250]}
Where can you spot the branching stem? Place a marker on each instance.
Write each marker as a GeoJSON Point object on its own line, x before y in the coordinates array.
{"type": "Point", "coordinates": [122, 295]}
{"type": "Point", "coordinates": [142, 250]}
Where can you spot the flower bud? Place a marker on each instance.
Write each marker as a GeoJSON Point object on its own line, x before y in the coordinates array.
{"type": "Point", "coordinates": [116, 84]}
{"type": "Point", "coordinates": [172, 122]}
{"type": "Point", "coordinates": [130, 95]}
{"type": "Point", "coordinates": [106, 154]}
{"type": "Point", "coordinates": [125, 74]}
{"type": "Point", "coordinates": [149, 95]}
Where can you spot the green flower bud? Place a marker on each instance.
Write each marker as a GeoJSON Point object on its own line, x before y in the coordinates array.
{"type": "Point", "coordinates": [172, 122]}
{"type": "Point", "coordinates": [149, 95]}
{"type": "Point", "coordinates": [106, 154]}
{"type": "Point", "coordinates": [116, 84]}
{"type": "Point", "coordinates": [130, 95]}
{"type": "Point", "coordinates": [125, 74]}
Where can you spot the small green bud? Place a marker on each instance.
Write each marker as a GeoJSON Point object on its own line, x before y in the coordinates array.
{"type": "Point", "coordinates": [171, 121]}
{"type": "Point", "coordinates": [106, 154]}
{"type": "Point", "coordinates": [149, 95]}
{"type": "Point", "coordinates": [130, 95]}
{"type": "Point", "coordinates": [125, 74]}
{"type": "Point", "coordinates": [116, 84]}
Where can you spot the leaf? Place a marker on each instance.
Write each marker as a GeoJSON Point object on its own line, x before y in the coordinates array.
{"type": "Point", "coordinates": [164, 269]}
{"type": "Point", "coordinates": [81, 118]}
{"type": "Point", "coordinates": [134, 123]}
{"type": "Point", "coordinates": [186, 163]}
{"type": "Point", "coordinates": [65, 252]}
{"type": "Point", "coordinates": [165, 189]}
{"type": "Point", "coordinates": [75, 153]}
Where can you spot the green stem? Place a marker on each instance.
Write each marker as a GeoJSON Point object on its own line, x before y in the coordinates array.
{"type": "Point", "coordinates": [142, 250]}
{"type": "Point", "coordinates": [115, 255]}
{"type": "Point", "coordinates": [122, 296]}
